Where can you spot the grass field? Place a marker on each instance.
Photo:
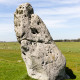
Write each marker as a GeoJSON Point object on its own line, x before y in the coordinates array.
{"type": "Point", "coordinates": [12, 66]}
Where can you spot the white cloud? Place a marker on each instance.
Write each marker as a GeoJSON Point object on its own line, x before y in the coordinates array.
{"type": "Point", "coordinates": [7, 15]}
{"type": "Point", "coordinates": [7, 32]}
{"type": "Point", "coordinates": [13, 2]}
{"type": "Point", "coordinates": [70, 1]}
{"type": "Point", "coordinates": [59, 11]}
{"type": "Point", "coordinates": [42, 5]}
{"type": "Point", "coordinates": [54, 23]}
{"type": "Point", "coordinates": [55, 14]}
{"type": "Point", "coordinates": [2, 1]}
{"type": "Point", "coordinates": [68, 10]}
{"type": "Point", "coordinates": [5, 1]}
{"type": "Point", "coordinates": [6, 28]}
{"type": "Point", "coordinates": [59, 16]}
{"type": "Point", "coordinates": [65, 1]}
{"type": "Point", "coordinates": [9, 2]}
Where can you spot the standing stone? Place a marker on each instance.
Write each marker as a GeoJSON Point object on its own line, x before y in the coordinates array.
{"type": "Point", "coordinates": [43, 59]}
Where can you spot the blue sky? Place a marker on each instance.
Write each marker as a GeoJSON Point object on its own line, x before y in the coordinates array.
{"type": "Point", "coordinates": [62, 17]}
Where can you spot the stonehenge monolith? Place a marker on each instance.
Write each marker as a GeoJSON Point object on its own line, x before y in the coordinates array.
{"type": "Point", "coordinates": [43, 59]}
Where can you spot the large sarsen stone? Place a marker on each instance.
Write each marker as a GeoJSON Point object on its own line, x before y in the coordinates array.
{"type": "Point", "coordinates": [43, 59]}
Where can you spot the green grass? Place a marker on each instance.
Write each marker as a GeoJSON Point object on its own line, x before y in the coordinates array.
{"type": "Point", "coordinates": [12, 66]}
{"type": "Point", "coordinates": [71, 51]}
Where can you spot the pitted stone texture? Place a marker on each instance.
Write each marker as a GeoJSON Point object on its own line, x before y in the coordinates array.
{"type": "Point", "coordinates": [43, 59]}
{"type": "Point", "coordinates": [29, 26]}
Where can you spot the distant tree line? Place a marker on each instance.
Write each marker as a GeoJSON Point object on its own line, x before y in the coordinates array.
{"type": "Point", "coordinates": [60, 40]}
{"type": "Point", "coordinates": [68, 40]}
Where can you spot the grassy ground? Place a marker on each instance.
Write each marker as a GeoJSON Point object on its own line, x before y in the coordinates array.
{"type": "Point", "coordinates": [12, 66]}
{"type": "Point", "coordinates": [71, 51]}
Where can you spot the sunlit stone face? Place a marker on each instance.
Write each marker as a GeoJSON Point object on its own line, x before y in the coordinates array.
{"type": "Point", "coordinates": [43, 59]}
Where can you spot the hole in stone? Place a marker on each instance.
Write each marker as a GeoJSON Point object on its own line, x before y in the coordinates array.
{"type": "Point", "coordinates": [23, 53]}
{"type": "Point", "coordinates": [24, 26]}
{"type": "Point", "coordinates": [32, 74]}
{"type": "Point", "coordinates": [33, 49]}
{"type": "Point", "coordinates": [19, 24]}
{"type": "Point", "coordinates": [40, 41]}
{"type": "Point", "coordinates": [25, 48]}
{"type": "Point", "coordinates": [23, 34]}
{"type": "Point", "coordinates": [46, 36]}
{"type": "Point", "coordinates": [38, 57]}
{"type": "Point", "coordinates": [20, 11]}
{"type": "Point", "coordinates": [50, 51]}
{"type": "Point", "coordinates": [46, 63]}
{"type": "Point", "coordinates": [34, 31]}
{"type": "Point", "coordinates": [30, 43]}
{"type": "Point", "coordinates": [43, 62]}
{"type": "Point", "coordinates": [38, 23]}
{"type": "Point", "coordinates": [25, 16]}
{"type": "Point", "coordinates": [16, 11]}
{"type": "Point", "coordinates": [20, 7]}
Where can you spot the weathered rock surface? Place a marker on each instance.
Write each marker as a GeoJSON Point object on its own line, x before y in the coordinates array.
{"type": "Point", "coordinates": [43, 59]}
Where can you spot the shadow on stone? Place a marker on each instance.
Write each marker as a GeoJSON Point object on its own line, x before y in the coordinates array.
{"type": "Point", "coordinates": [70, 73]}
